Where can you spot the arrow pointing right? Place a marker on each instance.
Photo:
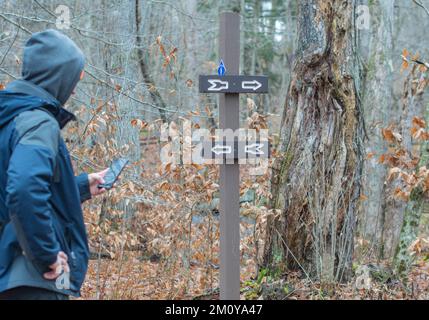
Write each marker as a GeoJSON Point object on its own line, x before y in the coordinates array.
{"type": "Point", "coordinates": [252, 85]}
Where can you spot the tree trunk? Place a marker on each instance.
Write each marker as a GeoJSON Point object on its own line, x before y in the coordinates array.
{"type": "Point", "coordinates": [154, 93]}
{"type": "Point", "coordinates": [316, 179]}
{"type": "Point", "coordinates": [377, 105]}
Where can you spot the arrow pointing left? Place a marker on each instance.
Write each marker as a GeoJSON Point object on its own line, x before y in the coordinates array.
{"type": "Point", "coordinates": [218, 149]}
{"type": "Point", "coordinates": [223, 85]}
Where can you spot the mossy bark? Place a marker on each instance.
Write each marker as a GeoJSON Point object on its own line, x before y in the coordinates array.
{"type": "Point", "coordinates": [410, 226]}
{"type": "Point", "coordinates": [316, 180]}
{"type": "Point", "coordinates": [409, 232]}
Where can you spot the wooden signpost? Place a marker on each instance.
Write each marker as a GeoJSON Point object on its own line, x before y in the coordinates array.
{"type": "Point", "coordinates": [229, 84]}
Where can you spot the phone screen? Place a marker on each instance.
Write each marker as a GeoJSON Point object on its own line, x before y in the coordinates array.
{"type": "Point", "coordinates": [113, 174]}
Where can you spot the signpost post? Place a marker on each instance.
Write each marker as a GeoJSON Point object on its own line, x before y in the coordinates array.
{"type": "Point", "coordinates": [229, 87]}
{"type": "Point", "coordinates": [229, 117]}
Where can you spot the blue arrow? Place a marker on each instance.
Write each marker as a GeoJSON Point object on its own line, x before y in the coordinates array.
{"type": "Point", "coordinates": [221, 70]}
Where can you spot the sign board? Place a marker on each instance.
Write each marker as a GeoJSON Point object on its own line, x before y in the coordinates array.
{"type": "Point", "coordinates": [236, 149]}
{"type": "Point", "coordinates": [233, 84]}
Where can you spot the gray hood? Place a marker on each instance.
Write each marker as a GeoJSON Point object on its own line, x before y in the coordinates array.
{"type": "Point", "coordinates": [53, 62]}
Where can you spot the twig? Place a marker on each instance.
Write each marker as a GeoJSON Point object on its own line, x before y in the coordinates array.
{"type": "Point", "coordinates": [15, 23]}
{"type": "Point", "coordinates": [8, 73]}
{"type": "Point", "coordinates": [415, 61]}
{"type": "Point", "coordinates": [421, 5]}
{"type": "Point", "coordinates": [10, 47]}
{"type": "Point", "coordinates": [293, 256]}
{"type": "Point", "coordinates": [122, 92]}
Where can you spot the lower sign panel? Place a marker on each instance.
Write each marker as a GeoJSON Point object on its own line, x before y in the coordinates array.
{"type": "Point", "coordinates": [236, 150]}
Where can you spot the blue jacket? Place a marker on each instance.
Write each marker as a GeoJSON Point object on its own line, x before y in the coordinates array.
{"type": "Point", "coordinates": [40, 197]}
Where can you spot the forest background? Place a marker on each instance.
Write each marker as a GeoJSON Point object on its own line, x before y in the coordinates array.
{"type": "Point", "coordinates": [341, 213]}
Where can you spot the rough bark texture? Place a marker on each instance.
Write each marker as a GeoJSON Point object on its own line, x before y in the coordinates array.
{"type": "Point", "coordinates": [315, 181]}
{"type": "Point", "coordinates": [377, 104]}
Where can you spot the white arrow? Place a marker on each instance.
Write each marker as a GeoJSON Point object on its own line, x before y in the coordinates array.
{"type": "Point", "coordinates": [258, 149]}
{"type": "Point", "coordinates": [224, 85]}
{"type": "Point", "coordinates": [255, 85]}
{"type": "Point", "coordinates": [218, 149]}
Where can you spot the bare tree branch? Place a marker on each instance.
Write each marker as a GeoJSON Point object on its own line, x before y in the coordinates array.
{"type": "Point", "coordinates": [421, 5]}
{"type": "Point", "coordinates": [15, 23]}
{"type": "Point", "coordinates": [10, 46]}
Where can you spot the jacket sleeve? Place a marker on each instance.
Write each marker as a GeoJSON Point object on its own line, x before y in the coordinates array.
{"type": "Point", "coordinates": [83, 186]}
{"type": "Point", "coordinates": [30, 173]}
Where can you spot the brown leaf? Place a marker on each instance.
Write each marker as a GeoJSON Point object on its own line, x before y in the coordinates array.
{"type": "Point", "coordinates": [189, 83]}
{"type": "Point", "coordinates": [402, 195]}
{"type": "Point", "coordinates": [370, 155]}
{"type": "Point", "coordinates": [166, 62]}
{"type": "Point", "coordinates": [162, 49]}
{"type": "Point", "coordinates": [208, 111]}
{"type": "Point", "coordinates": [132, 187]}
{"type": "Point", "coordinates": [392, 172]}
{"type": "Point", "coordinates": [173, 54]}
{"type": "Point", "coordinates": [423, 171]}
{"type": "Point", "coordinates": [408, 178]}
{"type": "Point", "coordinates": [197, 166]}
{"type": "Point", "coordinates": [425, 135]}
{"type": "Point", "coordinates": [419, 122]}
{"type": "Point", "coordinates": [404, 65]}
{"type": "Point", "coordinates": [388, 135]}
{"type": "Point", "coordinates": [391, 136]}
{"type": "Point", "coordinates": [134, 122]}
{"type": "Point", "coordinates": [363, 197]}
{"type": "Point", "coordinates": [167, 168]}
{"type": "Point", "coordinates": [416, 133]}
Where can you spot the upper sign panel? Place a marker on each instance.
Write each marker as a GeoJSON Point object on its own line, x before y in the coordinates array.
{"type": "Point", "coordinates": [233, 84]}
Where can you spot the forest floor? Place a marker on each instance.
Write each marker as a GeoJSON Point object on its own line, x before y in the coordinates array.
{"type": "Point", "coordinates": [165, 252]}
{"type": "Point", "coordinates": [137, 279]}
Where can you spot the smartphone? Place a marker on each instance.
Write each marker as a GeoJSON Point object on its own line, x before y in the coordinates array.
{"type": "Point", "coordinates": [113, 174]}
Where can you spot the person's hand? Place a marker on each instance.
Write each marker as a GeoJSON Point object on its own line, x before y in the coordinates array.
{"type": "Point", "coordinates": [58, 267]}
{"type": "Point", "coordinates": [96, 179]}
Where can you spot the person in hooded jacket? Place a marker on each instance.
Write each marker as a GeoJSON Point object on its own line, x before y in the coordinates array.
{"type": "Point", "coordinates": [43, 243]}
